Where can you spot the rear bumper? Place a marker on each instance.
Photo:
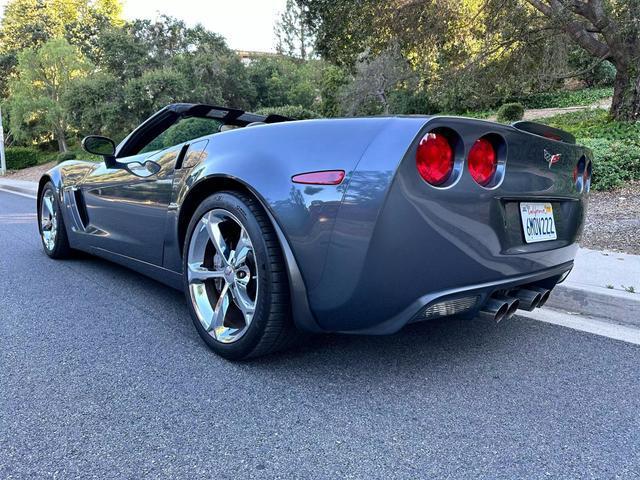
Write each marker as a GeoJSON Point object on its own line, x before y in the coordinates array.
{"type": "Point", "coordinates": [414, 313]}
{"type": "Point", "coordinates": [399, 244]}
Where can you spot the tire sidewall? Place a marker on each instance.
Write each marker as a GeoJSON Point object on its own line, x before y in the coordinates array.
{"type": "Point", "coordinates": [58, 248]}
{"type": "Point", "coordinates": [234, 205]}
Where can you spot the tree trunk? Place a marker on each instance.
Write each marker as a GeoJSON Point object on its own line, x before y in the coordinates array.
{"type": "Point", "coordinates": [62, 142]}
{"type": "Point", "coordinates": [626, 93]}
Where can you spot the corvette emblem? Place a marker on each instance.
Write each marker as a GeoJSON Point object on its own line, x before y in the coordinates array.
{"type": "Point", "coordinates": [551, 158]}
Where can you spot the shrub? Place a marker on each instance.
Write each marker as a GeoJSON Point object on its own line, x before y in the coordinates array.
{"type": "Point", "coordinates": [21, 157]}
{"type": "Point", "coordinates": [615, 145]}
{"type": "Point", "coordinates": [510, 112]}
{"type": "Point", "coordinates": [566, 98]}
{"type": "Point", "coordinates": [297, 112]}
{"type": "Point", "coordinates": [614, 162]}
{"type": "Point", "coordinates": [63, 157]}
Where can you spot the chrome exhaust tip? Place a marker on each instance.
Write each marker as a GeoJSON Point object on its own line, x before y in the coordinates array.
{"type": "Point", "coordinates": [512, 305]}
{"type": "Point", "coordinates": [495, 310]}
{"type": "Point", "coordinates": [544, 295]}
{"type": "Point", "coordinates": [529, 299]}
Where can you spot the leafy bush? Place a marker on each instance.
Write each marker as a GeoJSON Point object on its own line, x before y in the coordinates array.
{"type": "Point", "coordinates": [566, 98]}
{"type": "Point", "coordinates": [190, 129]}
{"type": "Point", "coordinates": [615, 145]}
{"type": "Point", "coordinates": [595, 123]}
{"type": "Point", "coordinates": [63, 157]}
{"type": "Point", "coordinates": [21, 157]}
{"type": "Point", "coordinates": [603, 74]}
{"type": "Point", "coordinates": [296, 112]}
{"type": "Point", "coordinates": [510, 112]}
{"type": "Point", "coordinates": [409, 102]}
{"type": "Point", "coordinates": [614, 162]}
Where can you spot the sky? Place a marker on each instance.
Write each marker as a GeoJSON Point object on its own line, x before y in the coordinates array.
{"type": "Point", "coordinates": [246, 24]}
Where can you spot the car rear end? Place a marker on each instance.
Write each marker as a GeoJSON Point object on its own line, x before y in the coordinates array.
{"type": "Point", "coordinates": [479, 218]}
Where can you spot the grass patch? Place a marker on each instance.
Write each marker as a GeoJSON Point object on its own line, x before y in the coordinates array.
{"type": "Point", "coordinates": [566, 98]}
{"type": "Point", "coordinates": [615, 145]}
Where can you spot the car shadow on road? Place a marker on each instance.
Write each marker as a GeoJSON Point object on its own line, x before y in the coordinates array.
{"type": "Point", "coordinates": [437, 344]}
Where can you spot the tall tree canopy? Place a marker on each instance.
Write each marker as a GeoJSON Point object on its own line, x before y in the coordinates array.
{"type": "Point", "coordinates": [31, 23]}
{"type": "Point", "coordinates": [487, 49]}
{"type": "Point", "coordinates": [607, 30]}
{"type": "Point", "coordinates": [37, 93]}
{"type": "Point", "coordinates": [293, 35]}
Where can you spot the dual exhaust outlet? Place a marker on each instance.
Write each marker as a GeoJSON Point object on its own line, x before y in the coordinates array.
{"type": "Point", "coordinates": [503, 307]}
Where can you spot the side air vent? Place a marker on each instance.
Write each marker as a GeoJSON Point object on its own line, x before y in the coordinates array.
{"type": "Point", "coordinates": [82, 208]}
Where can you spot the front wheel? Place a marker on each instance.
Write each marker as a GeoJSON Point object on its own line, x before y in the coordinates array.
{"type": "Point", "coordinates": [51, 224]}
{"type": "Point", "coordinates": [235, 278]}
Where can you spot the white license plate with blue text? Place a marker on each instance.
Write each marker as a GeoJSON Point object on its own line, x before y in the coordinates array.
{"type": "Point", "coordinates": [538, 222]}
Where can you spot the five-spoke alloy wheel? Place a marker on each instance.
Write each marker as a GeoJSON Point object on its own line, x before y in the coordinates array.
{"type": "Point", "coordinates": [235, 279]}
{"type": "Point", "coordinates": [222, 275]}
{"type": "Point", "coordinates": [51, 224]}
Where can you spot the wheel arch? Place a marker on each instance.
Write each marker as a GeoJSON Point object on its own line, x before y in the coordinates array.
{"type": "Point", "coordinates": [302, 314]}
{"type": "Point", "coordinates": [41, 183]}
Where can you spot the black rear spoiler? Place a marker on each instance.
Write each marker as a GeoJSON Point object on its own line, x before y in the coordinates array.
{"type": "Point", "coordinates": [545, 131]}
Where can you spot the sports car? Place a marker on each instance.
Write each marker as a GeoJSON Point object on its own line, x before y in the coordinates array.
{"type": "Point", "coordinates": [360, 225]}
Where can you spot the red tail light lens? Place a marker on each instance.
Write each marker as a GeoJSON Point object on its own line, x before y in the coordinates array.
{"type": "Point", "coordinates": [435, 158]}
{"type": "Point", "coordinates": [483, 161]}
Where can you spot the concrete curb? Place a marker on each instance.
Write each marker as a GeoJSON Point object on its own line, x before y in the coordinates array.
{"type": "Point", "coordinates": [621, 307]}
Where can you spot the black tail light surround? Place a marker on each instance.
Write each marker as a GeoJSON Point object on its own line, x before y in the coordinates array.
{"type": "Point", "coordinates": [440, 157]}
{"type": "Point", "coordinates": [582, 175]}
{"type": "Point", "coordinates": [587, 177]}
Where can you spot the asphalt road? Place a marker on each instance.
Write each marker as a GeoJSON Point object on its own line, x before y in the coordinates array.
{"type": "Point", "coordinates": [103, 376]}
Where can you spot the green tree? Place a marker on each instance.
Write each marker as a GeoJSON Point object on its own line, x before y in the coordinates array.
{"type": "Point", "coordinates": [154, 90]}
{"type": "Point", "coordinates": [31, 23]}
{"type": "Point", "coordinates": [294, 36]}
{"type": "Point", "coordinates": [44, 76]}
{"type": "Point", "coordinates": [284, 81]}
{"type": "Point", "coordinates": [607, 30]}
{"type": "Point", "coordinates": [96, 106]}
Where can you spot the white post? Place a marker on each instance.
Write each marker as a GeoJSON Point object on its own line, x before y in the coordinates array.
{"type": "Point", "coordinates": [3, 163]}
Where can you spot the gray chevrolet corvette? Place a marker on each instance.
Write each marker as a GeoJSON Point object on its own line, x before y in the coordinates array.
{"type": "Point", "coordinates": [359, 225]}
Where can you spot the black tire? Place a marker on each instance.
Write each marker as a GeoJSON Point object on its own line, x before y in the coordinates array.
{"type": "Point", "coordinates": [60, 248]}
{"type": "Point", "coordinates": [271, 328]}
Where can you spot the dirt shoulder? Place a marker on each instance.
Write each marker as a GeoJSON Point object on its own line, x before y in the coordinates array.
{"type": "Point", "coordinates": [31, 174]}
{"type": "Point", "coordinates": [613, 220]}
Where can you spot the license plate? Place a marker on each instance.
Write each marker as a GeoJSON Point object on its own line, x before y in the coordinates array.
{"type": "Point", "coordinates": [538, 222]}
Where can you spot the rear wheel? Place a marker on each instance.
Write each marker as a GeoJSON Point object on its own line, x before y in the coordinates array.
{"type": "Point", "coordinates": [51, 224]}
{"type": "Point", "coordinates": [235, 278]}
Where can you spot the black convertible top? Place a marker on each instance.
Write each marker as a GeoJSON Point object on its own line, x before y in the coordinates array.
{"type": "Point", "coordinates": [228, 115]}
{"type": "Point", "coordinates": [167, 116]}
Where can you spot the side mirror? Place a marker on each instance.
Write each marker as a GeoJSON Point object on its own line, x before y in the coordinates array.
{"type": "Point", "coordinates": [98, 145]}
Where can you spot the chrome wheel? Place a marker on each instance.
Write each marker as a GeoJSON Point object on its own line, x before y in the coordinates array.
{"type": "Point", "coordinates": [222, 275]}
{"type": "Point", "coordinates": [48, 219]}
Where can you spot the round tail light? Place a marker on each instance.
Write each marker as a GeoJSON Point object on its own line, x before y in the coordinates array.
{"type": "Point", "coordinates": [483, 161]}
{"type": "Point", "coordinates": [434, 158]}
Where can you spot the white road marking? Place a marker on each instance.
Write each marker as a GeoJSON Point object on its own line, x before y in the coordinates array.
{"type": "Point", "coordinates": [18, 193]}
{"type": "Point", "coordinates": [594, 326]}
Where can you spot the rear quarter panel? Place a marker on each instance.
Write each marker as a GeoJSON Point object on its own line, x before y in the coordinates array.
{"type": "Point", "coordinates": [265, 158]}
